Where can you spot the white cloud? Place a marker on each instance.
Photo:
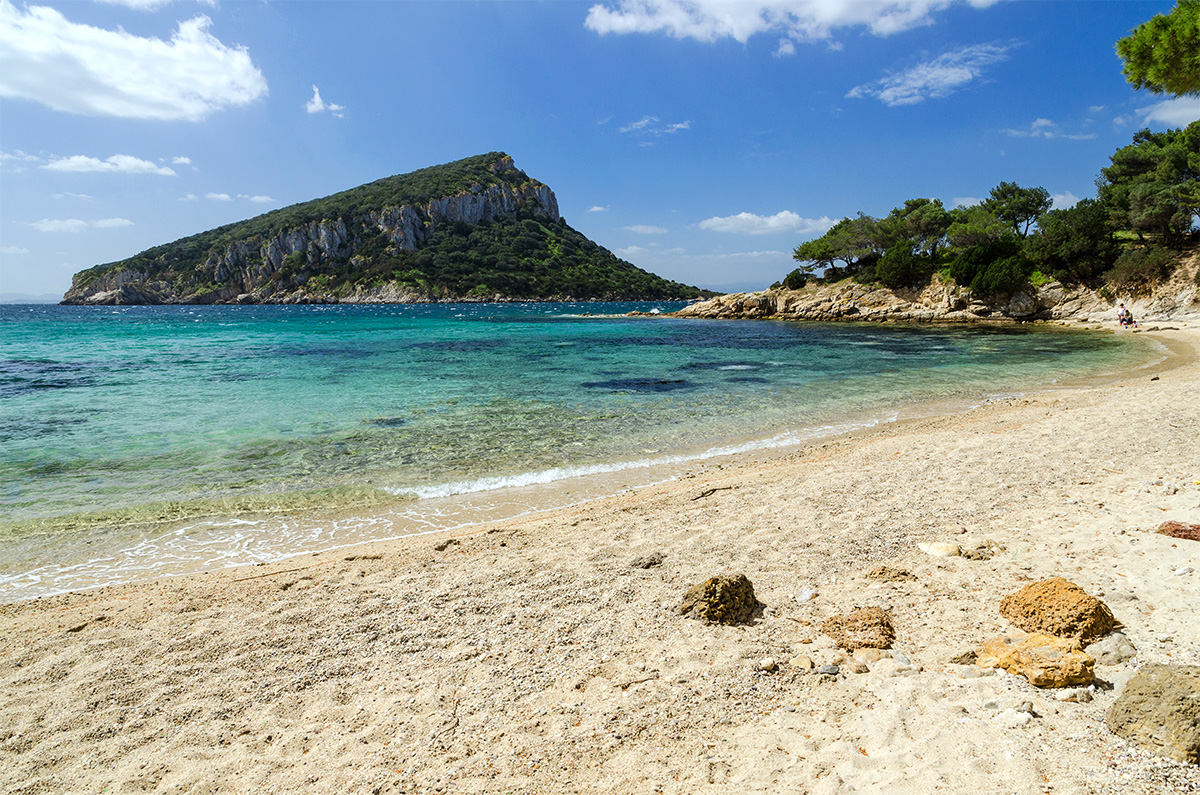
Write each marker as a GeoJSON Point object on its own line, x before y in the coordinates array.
{"type": "Point", "coordinates": [709, 20]}
{"type": "Point", "coordinates": [15, 160]}
{"type": "Point", "coordinates": [91, 71]}
{"type": "Point", "coordinates": [786, 48]}
{"type": "Point", "coordinates": [965, 201]}
{"type": "Point", "coordinates": [219, 197]}
{"type": "Point", "coordinates": [934, 79]}
{"type": "Point", "coordinates": [117, 164]}
{"type": "Point", "coordinates": [751, 224]}
{"type": "Point", "coordinates": [189, 197]}
{"type": "Point", "coordinates": [1045, 128]}
{"type": "Point", "coordinates": [1178, 112]}
{"type": "Point", "coordinates": [646, 229]}
{"type": "Point", "coordinates": [630, 251]}
{"type": "Point", "coordinates": [74, 225]}
{"type": "Point", "coordinates": [596, 208]}
{"type": "Point", "coordinates": [257, 199]}
{"type": "Point", "coordinates": [650, 126]}
{"type": "Point", "coordinates": [181, 161]}
{"type": "Point", "coordinates": [1064, 200]}
{"type": "Point", "coordinates": [13, 250]}
{"type": "Point", "coordinates": [318, 105]}
{"type": "Point", "coordinates": [69, 195]}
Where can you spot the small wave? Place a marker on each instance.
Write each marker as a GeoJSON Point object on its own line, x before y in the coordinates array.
{"type": "Point", "coordinates": [554, 474]}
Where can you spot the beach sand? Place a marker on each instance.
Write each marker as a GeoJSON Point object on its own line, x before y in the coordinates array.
{"type": "Point", "coordinates": [530, 656]}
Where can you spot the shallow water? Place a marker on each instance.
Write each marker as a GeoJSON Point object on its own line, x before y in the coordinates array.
{"type": "Point", "coordinates": [147, 440]}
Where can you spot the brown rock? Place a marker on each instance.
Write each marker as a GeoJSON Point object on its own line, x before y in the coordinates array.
{"type": "Point", "coordinates": [1159, 709]}
{"type": "Point", "coordinates": [865, 627]}
{"type": "Point", "coordinates": [889, 574]}
{"type": "Point", "coordinates": [1058, 607]}
{"type": "Point", "coordinates": [727, 599]}
{"type": "Point", "coordinates": [1044, 660]}
{"type": "Point", "coordinates": [648, 561]}
{"type": "Point", "coordinates": [1189, 532]}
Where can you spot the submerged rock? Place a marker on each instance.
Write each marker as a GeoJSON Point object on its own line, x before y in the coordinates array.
{"type": "Point", "coordinates": [726, 599]}
{"type": "Point", "coordinates": [1159, 710]}
{"type": "Point", "coordinates": [1058, 607]}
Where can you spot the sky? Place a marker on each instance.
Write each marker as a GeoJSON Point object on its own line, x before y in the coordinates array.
{"type": "Point", "coordinates": [701, 140]}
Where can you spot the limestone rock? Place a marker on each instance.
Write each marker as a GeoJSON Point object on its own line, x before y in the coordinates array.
{"type": "Point", "coordinates": [1159, 710]}
{"type": "Point", "coordinates": [1112, 650]}
{"type": "Point", "coordinates": [1190, 532]}
{"type": "Point", "coordinates": [726, 599]}
{"type": "Point", "coordinates": [889, 574]}
{"type": "Point", "coordinates": [1044, 660]}
{"type": "Point", "coordinates": [1058, 607]}
{"type": "Point", "coordinates": [940, 549]}
{"type": "Point", "coordinates": [648, 561]}
{"type": "Point", "coordinates": [865, 627]}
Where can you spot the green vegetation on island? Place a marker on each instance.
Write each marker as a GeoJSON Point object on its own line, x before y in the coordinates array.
{"type": "Point", "coordinates": [1126, 239]}
{"type": "Point", "coordinates": [474, 229]}
{"type": "Point", "coordinates": [1163, 54]}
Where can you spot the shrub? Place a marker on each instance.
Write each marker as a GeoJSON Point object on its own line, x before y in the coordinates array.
{"type": "Point", "coordinates": [1002, 277]}
{"type": "Point", "coordinates": [1138, 269]}
{"type": "Point", "coordinates": [795, 280]}
{"type": "Point", "coordinates": [900, 266]}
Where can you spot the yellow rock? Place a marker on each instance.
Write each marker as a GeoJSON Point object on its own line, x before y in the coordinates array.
{"type": "Point", "coordinates": [1046, 661]}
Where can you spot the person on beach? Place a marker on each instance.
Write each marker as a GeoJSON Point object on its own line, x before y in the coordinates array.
{"type": "Point", "coordinates": [1124, 316]}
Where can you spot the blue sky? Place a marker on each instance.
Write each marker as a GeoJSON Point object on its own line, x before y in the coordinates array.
{"type": "Point", "coordinates": [699, 139]}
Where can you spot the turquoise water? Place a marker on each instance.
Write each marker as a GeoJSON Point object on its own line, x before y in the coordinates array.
{"type": "Point", "coordinates": [105, 411]}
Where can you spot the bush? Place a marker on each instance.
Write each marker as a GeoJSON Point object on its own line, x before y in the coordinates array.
{"type": "Point", "coordinates": [1138, 269]}
{"type": "Point", "coordinates": [1003, 276]}
{"type": "Point", "coordinates": [795, 280]}
{"type": "Point", "coordinates": [900, 266]}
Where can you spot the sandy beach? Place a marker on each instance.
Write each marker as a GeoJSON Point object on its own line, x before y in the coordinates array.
{"type": "Point", "coordinates": [531, 656]}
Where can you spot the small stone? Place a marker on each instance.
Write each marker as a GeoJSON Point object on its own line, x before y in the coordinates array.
{"type": "Point", "coordinates": [449, 542]}
{"type": "Point", "coordinates": [854, 666]}
{"type": "Point", "coordinates": [889, 574]}
{"type": "Point", "coordinates": [1189, 532]}
{"type": "Point", "coordinates": [867, 626]}
{"type": "Point", "coordinates": [1113, 649]}
{"type": "Point", "coordinates": [1159, 710]}
{"type": "Point", "coordinates": [1044, 660]}
{"type": "Point", "coordinates": [967, 657]}
{"type": "Point", "coordinates": [1012, 719]}
{"type": "Point", "coordinates": [807, 595]}
{"type": "Point", "coordinates": [830, 670]}
{"type": "Point", "coordinates": [1183, 571]}
{"type": "Point", "coordinates": [888, 666]}
{"type": "Point", "coordinates": [767, 664]}
{"type": "Point", "coordinates": [1077, 695]}
{"type": "Point", "coordinates": [940, 549]}
{"type": "Point", "coordinates": [727, 599]}
{"type": "Point", "coordinates": [869, 655]}
{"type": "Point", "coordinates": [801, 662]}
{"type": "Point", "coordinates": [1058, 607]}
{"type": "Point", "coordinates": [648, 561]}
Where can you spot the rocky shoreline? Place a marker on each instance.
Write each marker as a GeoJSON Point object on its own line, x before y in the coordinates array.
{"type": "Point", "coordinates": [945, 302]}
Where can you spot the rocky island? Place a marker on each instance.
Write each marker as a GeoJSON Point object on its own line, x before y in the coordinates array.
{"type": "Point", "coordinates": [477, 229]}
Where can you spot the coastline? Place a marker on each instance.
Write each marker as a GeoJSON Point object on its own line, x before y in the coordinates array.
{"type": "Point", "coordinates": [527, 655]}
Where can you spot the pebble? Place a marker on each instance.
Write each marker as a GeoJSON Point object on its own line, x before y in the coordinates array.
{"type": "Point", "coordinates": [940, 549]}
{"type": "Point", "coordinates": [807, 595]}
{"type": "Point", "coordinates": [1013, 719]}
{"type": "Point", "coordinates": [831, 670]}
{"type": "Point", "coordinates": [767, 664]}
{"type": "Point", "coordinates": [1077, 695]}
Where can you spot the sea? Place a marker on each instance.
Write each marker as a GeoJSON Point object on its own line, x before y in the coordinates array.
{"type": "Point", "coordinates": [143, 441]}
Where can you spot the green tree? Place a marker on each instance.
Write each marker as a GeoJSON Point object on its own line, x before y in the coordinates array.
{"type": "Point", "coordinates": [901, 266]}
{"type": "Point", "coordinates": [923, 222]}
{"type": "Point", "coordinates": [1075, 244]}
{"type": "Point", "coordinates": [857, 242]}
{"type": "Point", "coordinates": [1153, 184]}
{"type": "Point", "coordinates": [975, 225]}
{"type": "Point", "coordinates": [1163, 54]}
{"type": "Point", "coordinates": [1019, 207]}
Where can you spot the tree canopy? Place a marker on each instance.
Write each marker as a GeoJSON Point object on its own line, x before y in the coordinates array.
{"type": "Point", "coordinates": [1162, 55]}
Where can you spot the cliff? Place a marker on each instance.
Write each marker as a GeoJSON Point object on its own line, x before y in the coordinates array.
{"type": "Point", "coordinates": [945, 302]}
{"type": "Point", "coordinates": [477, 229]}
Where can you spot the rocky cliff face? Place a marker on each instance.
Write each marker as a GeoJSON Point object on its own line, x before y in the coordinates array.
{"type": "Point", "coordinates": [941, 302]}
{"type": "Point", "coordinates": [245, 270]}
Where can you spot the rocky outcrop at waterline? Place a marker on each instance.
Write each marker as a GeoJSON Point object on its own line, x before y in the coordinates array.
{"type": "Point", "coordinates": [942, 301]}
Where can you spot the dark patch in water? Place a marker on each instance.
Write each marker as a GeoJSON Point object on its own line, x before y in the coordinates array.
{"type": "Point", "coordinates": [459, 346]}
{"type": "Point", "coordinates": [386, 422]}
{"type": "Point", "coordinates": [747, 379]}
{"type": "Point", "coordinates": [641, 385]}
